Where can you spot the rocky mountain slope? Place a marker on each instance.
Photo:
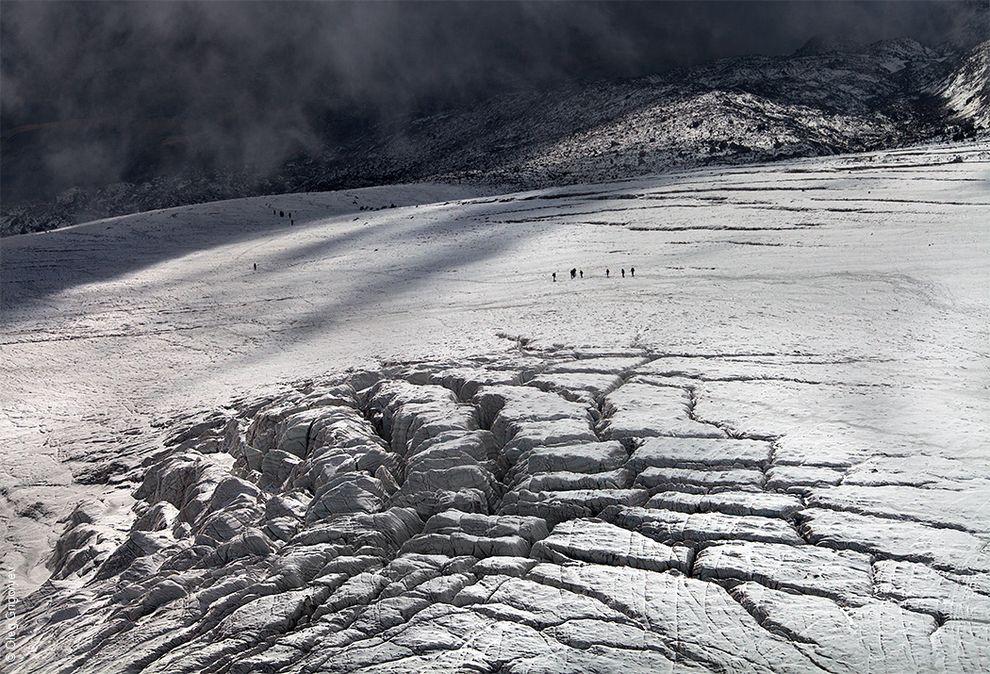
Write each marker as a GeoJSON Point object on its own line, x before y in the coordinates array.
{"type": "Point", "coordinates": [821, 100]}
{"type": "Point", "coordinates": [967, 90]}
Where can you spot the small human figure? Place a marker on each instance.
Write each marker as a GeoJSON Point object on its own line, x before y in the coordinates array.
{"type": "Point", "coordinates": [291, 222]}
{"type": "Point", "coordinates": [555, 277]}
{"type": "Point", "coordinates": [281, 214]}
{"type": "Point", "coordinates": [623, 272]}
{"type": "Point", "coordinates": [632, 271]}
{"type": "Point", "coordinates": [606, 272]}
{"type": "Point", "coordinates": [256, 266]}
{"type": "Point", "coordinates": [573, 272]}
{"type": "Point", "coordinates": [582, 273]}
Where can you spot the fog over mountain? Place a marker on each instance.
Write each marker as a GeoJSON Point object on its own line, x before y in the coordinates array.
{"type": "Point", "coordinates": [95, 93]}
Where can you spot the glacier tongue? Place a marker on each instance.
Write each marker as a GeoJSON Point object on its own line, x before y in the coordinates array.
{"type": "Point", "coordinates": [764, 452]}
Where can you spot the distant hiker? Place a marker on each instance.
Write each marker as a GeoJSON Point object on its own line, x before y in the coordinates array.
{"type": "Point", "coordinates": [623, 272]}
{"type": "Point", "coordinates": [574, 272]}
{"type": "Point", "coordinates": [291, 222]}
{"type": "Point", "coordinates": [281, 214]}
{"type": "Point", "coordinates": [555, 277]}
{"type": "Point", "coordinates": [256, 266]}
{"type": "Point", "coordinates": [606, 272]}
{"type": "Point", "coordinates": [581, 273]}
{"type": "Point", "coordinates": [632, 271]}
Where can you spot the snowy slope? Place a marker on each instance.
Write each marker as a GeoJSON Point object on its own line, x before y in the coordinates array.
{"type": "Point", "coordinates": [766, 451]}
{"type": "Point", "coordinates": [967, 90]}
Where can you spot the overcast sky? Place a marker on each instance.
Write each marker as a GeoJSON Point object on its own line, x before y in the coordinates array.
{"type": "Point", "coordinates": [251, 80]}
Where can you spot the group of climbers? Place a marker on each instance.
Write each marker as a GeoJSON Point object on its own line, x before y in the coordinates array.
{"type": "Point", "coordinates": [579, 273]}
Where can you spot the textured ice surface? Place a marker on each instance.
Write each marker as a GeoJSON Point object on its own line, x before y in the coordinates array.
{"type": "Point", "coordinates": [378, 522]}
{"type": "Point", "coordinates": [767, 452]}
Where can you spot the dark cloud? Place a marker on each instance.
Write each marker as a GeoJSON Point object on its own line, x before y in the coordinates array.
{"type": "Point", "coordinates": [100, 91]}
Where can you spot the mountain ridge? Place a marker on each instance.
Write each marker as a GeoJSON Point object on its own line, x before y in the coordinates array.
{"type": "Point", "coordinates": [745, 109]}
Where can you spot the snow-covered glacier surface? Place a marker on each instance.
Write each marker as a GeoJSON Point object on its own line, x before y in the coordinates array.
{"type": "Point", "coordinates": [399, 445]}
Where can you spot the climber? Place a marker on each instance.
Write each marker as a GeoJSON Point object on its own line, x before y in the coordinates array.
{"type": "Point", "coordinates": [606, 272]}
{"type": "Point", "coordinates": [555, 277]}
{"type": "Point", "coordinates": [623, 272]}
{"type": "Point", "coordinates": [632, 271]}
